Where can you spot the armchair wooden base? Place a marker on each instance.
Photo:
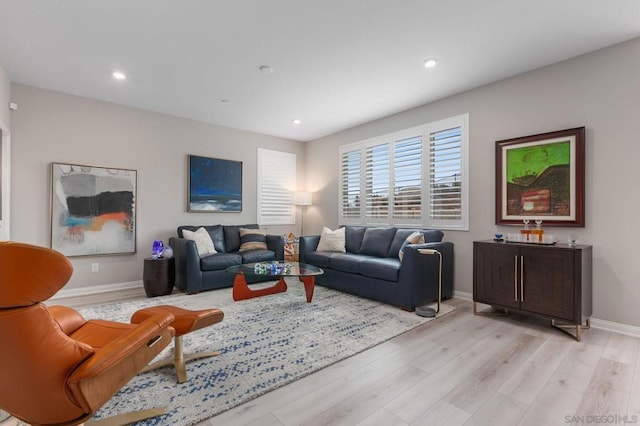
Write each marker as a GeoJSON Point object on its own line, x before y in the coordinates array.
{"type": "Point", "coordinates": [179, 360]}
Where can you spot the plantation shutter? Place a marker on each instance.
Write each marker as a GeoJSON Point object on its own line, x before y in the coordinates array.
{"type": "Point", "coordinates": [377, 181]}
{"type": "Point", "coordinates": [407, 181]}
{"type": "Point", "coordinates": [350, 162]}
{"type": "Point", "coordinates": [276, 186]}
{"type": "Point", "coordinates": [413, 177]}
{"type": "Point", "coordinates": [445, 175]}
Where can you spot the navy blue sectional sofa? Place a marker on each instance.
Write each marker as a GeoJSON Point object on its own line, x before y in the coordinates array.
{"type": "Point", "coordinates": [195, 274]}
{"type": "Point", "coordinates": [371, 268]}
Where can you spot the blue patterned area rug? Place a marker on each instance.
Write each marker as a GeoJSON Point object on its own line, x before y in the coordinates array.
{"type": "Point", "coordinates": [264, 343]}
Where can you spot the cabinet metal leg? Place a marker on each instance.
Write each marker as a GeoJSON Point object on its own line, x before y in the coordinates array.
{"type": "Point", "coordinates": [570, 328]}
{"type": "Point", "coordinates": [493, 312]}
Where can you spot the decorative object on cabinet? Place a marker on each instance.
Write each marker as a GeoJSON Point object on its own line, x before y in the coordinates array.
{"type": "Point", "coordinates": [215, 185]}
{"type": "Point", "coordinates": [541, 177]}
{"type": "Point", "coordinates": [93, 210]}
{"type": "Point", "coordinates": [552, 282]}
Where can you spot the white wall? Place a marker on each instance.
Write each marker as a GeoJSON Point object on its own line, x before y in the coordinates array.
{"type": "Point", "coordinates": [601, 91]}
{"type": "Point", "coordinates": [54, 127]}
{"type": "Point", "coordinates": [5, 154]}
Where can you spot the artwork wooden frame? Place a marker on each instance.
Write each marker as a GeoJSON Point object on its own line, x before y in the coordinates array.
{"type": "Point", "coordinates": [541, 177]}
{"type": "Point", "coordinates": [93, 210]}
{"type": "Point", "coordinates": [214, 185]}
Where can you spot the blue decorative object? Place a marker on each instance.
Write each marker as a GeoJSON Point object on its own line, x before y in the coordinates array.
{"type": "Point", "coordinates": [157, 249]}
{"type": "Point", "coordinates": [272, 268]}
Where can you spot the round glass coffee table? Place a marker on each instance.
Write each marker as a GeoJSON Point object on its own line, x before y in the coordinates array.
{"type": "Point", "coordinates": [305, 273]}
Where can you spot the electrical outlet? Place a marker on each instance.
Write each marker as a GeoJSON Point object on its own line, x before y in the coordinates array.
{"type": "Point", "coordinates": [95, 267]}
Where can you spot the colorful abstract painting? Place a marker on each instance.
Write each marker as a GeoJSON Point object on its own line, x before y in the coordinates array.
{"type": "Point", "coordinates": [541, 177]}
{"type": "Point", "coordinates": [92, 210]}
{"type": "Point", "coordinates": [215, 185]}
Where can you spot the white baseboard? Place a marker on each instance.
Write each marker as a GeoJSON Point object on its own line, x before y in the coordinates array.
{"type": "Point", "coordinates": [616, 327]}
{"type": "Point", "coordinates": [463, 295]}
{"type": "Point", "coordinates": [97, 289]}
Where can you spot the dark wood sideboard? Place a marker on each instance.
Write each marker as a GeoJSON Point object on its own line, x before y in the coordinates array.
{"type": "Point", "coordinates": [548, 281]}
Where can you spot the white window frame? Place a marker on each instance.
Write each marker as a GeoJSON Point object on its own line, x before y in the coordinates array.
{"type": "Point", "coordinates": [425, 221]}
{"type": "Point", "coordinates": [276, 184]}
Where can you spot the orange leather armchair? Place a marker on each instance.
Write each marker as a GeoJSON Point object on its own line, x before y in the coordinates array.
{"type": "Point", "coordinates": [57, 368]}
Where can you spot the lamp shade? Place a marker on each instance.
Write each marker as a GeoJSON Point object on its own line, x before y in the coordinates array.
{"type": "Point", "coordinates": [302, 198]}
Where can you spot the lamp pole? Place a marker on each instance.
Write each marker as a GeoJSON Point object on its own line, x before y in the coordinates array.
{"type": "Point", "coordinates": [302, 198]}
{"type": "Point", "coordinates": [427, 311]}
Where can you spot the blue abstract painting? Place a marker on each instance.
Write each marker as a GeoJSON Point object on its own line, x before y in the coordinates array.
{"type": "Point", "coordinates": [215, 185]}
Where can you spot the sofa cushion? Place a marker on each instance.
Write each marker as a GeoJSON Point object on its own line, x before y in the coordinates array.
{"type": "Point", "coordinates": [353, 238]}
{"type": "Point", "coordinates": [320, 259]}
{"type": "Point", "coordinates": [203, 241]}
{"type": "Point", "coordinates": [252, 239]}
{"type": "Point", "coordinates": [346, 262]}
{"type": "Point", "coordinates": [232, 236]}
{"type": "Point", "coordinates": [382, 268]}
{"type": "Point", "coordinates": [254, 256]}
{"type": "Point", "coordinates": [376, 241]}
{"type": "Point", "coordinates": [433, 236]}
{"type": "Point", "coordinates": [416, 238]}
{"type": "Point", "coordinates": [332, 240]}
{"type": "Point", "coordinates": [218, 261]}
{"type": "Point", "coordinates": [217, 236]}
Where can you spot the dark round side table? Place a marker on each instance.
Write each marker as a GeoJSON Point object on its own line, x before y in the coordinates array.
{"type": "Point", "coordinates": [158, 276]}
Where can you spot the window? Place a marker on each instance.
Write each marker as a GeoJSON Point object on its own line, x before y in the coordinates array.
{"type": "Point", "coordinates": [276, 186]}
{"type": "Point", "coordinates": [416, 177]}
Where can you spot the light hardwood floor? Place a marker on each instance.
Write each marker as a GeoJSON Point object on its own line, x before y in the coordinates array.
{"type": "Point", "coordinates": [465, 370]}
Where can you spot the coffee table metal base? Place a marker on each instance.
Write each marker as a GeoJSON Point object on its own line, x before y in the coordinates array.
{"type": "Point", "coordinates": [241, 290]}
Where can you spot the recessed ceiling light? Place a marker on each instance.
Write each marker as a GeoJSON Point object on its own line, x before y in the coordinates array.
{"type": "Point", "coordinates": [430, 63]}
{"type": "Point", "coordinates": [118, 75]}
{"type": "Point", "coordinates": [266, 68]}
{"type": "Point", "coordinates": [296, 121]}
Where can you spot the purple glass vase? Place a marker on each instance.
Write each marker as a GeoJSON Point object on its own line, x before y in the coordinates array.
{"type": "Point", "coordinates": [157, 249]}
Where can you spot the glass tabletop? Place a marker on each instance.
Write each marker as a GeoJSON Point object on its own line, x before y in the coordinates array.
{"type": "Point", "coordinates": [276, 269]}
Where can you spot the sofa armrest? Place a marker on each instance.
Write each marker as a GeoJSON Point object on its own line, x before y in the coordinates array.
{"type": "Point", "coordinates": [187, 260]}
{"type": "Point", "coordinates": [419, 272]}
{"type": "Point", "coordinates": [307, 244]}
{"type": "Point", "coordinates": [276, 243]}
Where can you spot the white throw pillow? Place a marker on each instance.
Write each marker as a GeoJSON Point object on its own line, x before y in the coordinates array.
{"type": "Point", "coordinates": [203, 241]}
{"type": "Point", "coordinates": [332, 240]}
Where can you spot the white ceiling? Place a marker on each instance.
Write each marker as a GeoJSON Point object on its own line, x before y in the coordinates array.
{"type": "Point", "coordinates": [337, 63]}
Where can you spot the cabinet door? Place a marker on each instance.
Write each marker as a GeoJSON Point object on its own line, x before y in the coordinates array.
{"type": "Point", "coordinates": [495, 274]}
{"type": "Point", "coordinates": [548, 282]}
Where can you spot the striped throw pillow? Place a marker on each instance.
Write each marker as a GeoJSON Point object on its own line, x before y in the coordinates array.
{"type": "Point", "coordinates": [252, 239]}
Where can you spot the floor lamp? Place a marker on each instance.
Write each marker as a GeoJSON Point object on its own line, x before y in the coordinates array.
{"type": "Point", "coordinates": [302, 198]}
{"type": "Point", "coordinates": [427, 311]}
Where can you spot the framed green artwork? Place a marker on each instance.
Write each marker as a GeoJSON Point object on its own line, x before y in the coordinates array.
{"type": "Point", "coordinates": [541, 177]}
